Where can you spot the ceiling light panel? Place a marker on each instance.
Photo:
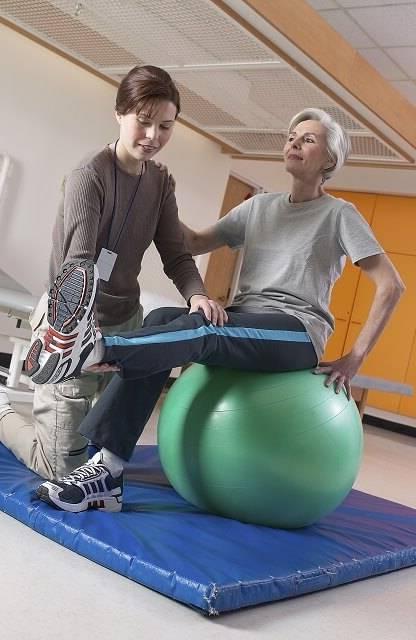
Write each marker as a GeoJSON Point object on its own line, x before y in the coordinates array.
{"type": "Point", "coordinates": [167, 32]}
{"type": "Point", "coordinates": [256, 142]}
{"type": "Point", "coordinates": [266, 98]}
{"type": "Point", "coordinates": [368, 147]}
{"type": "Point", "coordinates": [203, 112]}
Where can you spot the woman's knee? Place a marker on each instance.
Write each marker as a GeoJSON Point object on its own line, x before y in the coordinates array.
{"type": "Point", "coordinates": [163, 316]}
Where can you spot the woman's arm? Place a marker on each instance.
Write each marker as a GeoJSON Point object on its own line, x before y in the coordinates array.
{"type": "Point", "coordinates": [81, 215]}
{"type": "Point", "coordinates": [389, 288]}
{"type": "Point", "coordinates": [178, 264]}
{"type": "Point", "coordinates": [199, 242]}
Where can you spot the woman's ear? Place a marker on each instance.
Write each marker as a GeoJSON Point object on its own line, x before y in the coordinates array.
{"type": "Point", "coordinates": [331, 162]}
{"type": "Point", "coordinates": [118, 117]}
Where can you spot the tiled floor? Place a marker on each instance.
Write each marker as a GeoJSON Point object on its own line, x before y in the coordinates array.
{"type": "Point", "coordinates": [48, 592]}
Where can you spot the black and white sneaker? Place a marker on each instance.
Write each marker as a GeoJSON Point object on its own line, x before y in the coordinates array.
{"type": "Point", "coordinates": [91, 486]}
{"type": "Point", "coordinates": [71, 336]}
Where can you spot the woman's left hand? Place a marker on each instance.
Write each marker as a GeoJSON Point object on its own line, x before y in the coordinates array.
{"type": "Point", "coordinates": [340, 372]}
{"type": "Point", "coordinates": [212, 310]}
{"type": "Point", "coordinates": [102, 367]}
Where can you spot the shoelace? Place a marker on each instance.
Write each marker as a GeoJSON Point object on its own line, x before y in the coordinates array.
{"type": "Point", "coordinates": [83, 473]}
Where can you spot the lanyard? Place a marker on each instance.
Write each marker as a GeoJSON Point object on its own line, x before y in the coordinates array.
{"type": "Point", "coordinates": [126, 215]}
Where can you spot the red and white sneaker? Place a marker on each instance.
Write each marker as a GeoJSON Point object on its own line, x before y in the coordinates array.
{"type": "Point", "coordinates": [71, 336]}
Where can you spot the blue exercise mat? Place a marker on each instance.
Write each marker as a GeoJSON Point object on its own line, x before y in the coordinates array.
{"type": "Point", "coordinates": [209, 562]}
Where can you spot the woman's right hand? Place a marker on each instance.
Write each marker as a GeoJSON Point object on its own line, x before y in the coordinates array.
{"type": "Point", "coordinates": [212, 310]}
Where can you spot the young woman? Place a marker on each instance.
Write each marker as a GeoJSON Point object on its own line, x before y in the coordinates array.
{"type": "Point", "coordinates": [295, 246]}
{"type": "Point", "coordinates": [115, 204]}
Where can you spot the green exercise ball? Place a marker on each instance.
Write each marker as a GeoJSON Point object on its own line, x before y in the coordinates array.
{"type": "Point", "coordinates": [276, 449]}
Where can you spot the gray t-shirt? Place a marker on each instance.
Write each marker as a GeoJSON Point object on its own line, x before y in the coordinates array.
{"type": "Point", "coordinates": [294, 253]}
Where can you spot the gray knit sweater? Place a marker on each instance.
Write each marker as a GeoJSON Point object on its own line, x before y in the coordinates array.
{"type": "Point", "coordinates": [82, 229]}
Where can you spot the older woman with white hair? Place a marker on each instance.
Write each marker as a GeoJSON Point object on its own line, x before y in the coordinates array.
{"type": "Point", "coordinates": [295, 246]}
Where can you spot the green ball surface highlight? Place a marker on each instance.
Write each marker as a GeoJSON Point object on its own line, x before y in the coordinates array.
{"type": "Point", "coordinates": [275, 449]}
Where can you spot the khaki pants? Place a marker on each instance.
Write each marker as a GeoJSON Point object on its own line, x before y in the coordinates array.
{"type": "Point", "coordinates": [50, 444]}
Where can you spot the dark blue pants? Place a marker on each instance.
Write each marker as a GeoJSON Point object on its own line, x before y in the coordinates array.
{"type": "Point", "coordinates": [171, 337]}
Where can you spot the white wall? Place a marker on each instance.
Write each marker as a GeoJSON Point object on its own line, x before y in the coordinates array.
{"type": "Point", "coordinates": [273, 177]}
{"type": "Point", "coordinates": [52, 113]}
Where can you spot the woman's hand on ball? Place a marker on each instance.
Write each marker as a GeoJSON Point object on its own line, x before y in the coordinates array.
{"type": "Point", "coordinates": [212, 310]}
{"type": "Point", "coordinates": [340, 372]}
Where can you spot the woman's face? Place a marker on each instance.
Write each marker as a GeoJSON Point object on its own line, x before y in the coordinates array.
{"type": "Point", "coordinates": [305, 152]}
{"type": "Point", "coordinates": [142, 135]}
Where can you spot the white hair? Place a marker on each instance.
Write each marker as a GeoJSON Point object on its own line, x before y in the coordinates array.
{"type": "Point", "coordinates": [338, 143]}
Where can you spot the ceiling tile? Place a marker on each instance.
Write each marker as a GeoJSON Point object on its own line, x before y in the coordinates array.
{"type": "Point", "coordinates": [342, 23]}
{"type": "Point", "coordinates": [384, 65]}
{"type": "Point", "coordinates": [372, 3]}
{"type": "Point", "coordinates": [389, 26]}
{"type": "Point", "coordinates": [406, 58]}
{"type": "Point", "coordinates": [408, 89]}
{"type": "Point", "coordinates": [322, 4]}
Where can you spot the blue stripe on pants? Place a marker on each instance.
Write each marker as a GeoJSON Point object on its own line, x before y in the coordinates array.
{"type": "Point", "coordinates": [200, 332]}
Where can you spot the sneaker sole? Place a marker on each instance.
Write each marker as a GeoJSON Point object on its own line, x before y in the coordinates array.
{"type": "Point", "coordinates": [111, 504]}
{"type": "Point", "coordinates": [70, 296]}
{"type": "Point", "coordinates": [70, 300]}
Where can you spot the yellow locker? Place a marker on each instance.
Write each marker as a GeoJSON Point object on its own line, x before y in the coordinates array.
{"type": "Point", "coordinates": [390, 357]}
{"type": "Point", "coordinates": [406, 309]}
{"type": "Point", "coordinates": [393, 219]}
{"type": "Point", "coordinates": [394, 223]}
{"type": "Point", "coordinates": [365, 202]}
{"type": "Point", "coordinates": [335, 343]}
{"type": "Point", "coordinates": [344, 291]}
{"type": "Point", "coordinates": [378, 364]}
{"type": "Point", "coordinates": [407, 405]}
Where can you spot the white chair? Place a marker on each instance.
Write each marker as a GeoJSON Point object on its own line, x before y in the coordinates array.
{"type": "Point", "coordinates": [18, 305]}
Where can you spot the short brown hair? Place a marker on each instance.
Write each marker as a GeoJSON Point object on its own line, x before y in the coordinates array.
{"type": "Point", "coordinates": [146, 86]}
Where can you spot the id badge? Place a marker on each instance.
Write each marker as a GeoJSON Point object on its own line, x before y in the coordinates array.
{"type": "Point", "coordinates": [105, 264]}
